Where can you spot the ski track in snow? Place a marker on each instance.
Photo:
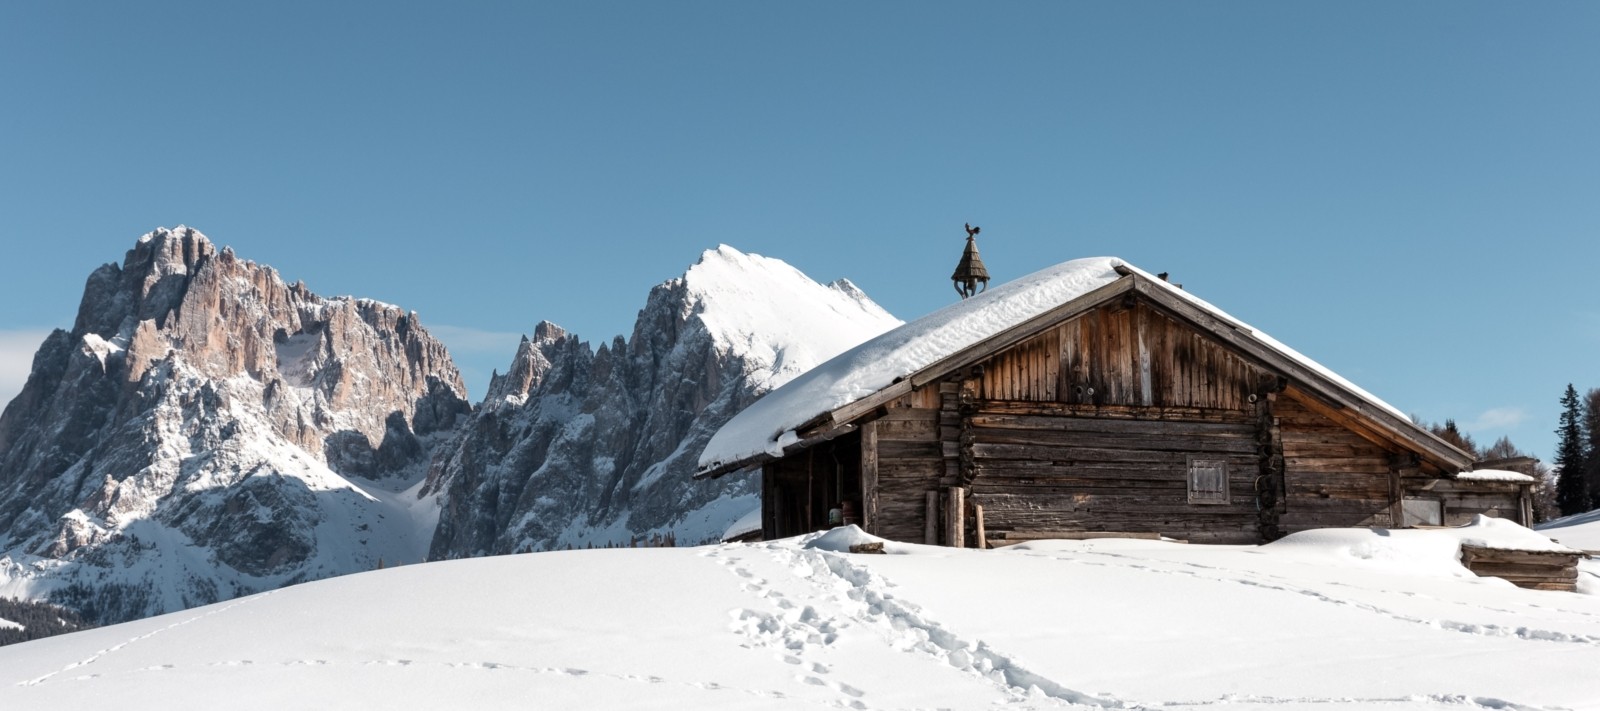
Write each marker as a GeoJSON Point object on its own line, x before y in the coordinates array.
{"type": "Point", "coordinates": [101, 654]}
{"type": "Point", "coordinates": [1281, 584]}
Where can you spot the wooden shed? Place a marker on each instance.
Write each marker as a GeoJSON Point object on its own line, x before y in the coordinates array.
{"type": "Point", "coordinates": [1092, 398]}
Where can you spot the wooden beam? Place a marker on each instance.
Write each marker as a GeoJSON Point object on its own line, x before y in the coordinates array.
{"type": "Point", "coordinates": [956, 518]}
{"type": "Point", "coordinates": [1020, 536]}
{"type": "Point", "coordinates": [977, 514]}
{"type": "Point", "coordinates": [850, 412]}
{"type": "Point", "coordinates": [930, 528]}
{"type": "Point", "coordinates": [769, 503]}
{"type": "Point", "coordinates": [869, 477]}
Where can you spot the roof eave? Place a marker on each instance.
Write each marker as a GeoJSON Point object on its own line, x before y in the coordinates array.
{"type": "Point", "coordinates": [1403, 430]}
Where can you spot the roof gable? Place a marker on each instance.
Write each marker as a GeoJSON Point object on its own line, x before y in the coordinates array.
{"type": "Point", "coordinates": [821, 403]}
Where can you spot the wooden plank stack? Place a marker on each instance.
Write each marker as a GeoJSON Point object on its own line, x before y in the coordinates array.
{"type": "Point", "coordinates": [1535, 570]}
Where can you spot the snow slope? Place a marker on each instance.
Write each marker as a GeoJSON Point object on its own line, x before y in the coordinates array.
{"type": "Point", "coordinates": [1340, 619]}
{"type": "Point", "coordinates": [1581, 531]}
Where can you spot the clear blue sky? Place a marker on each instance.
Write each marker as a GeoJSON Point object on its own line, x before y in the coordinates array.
{"type": "Point", "coordinates": [1408, 192]}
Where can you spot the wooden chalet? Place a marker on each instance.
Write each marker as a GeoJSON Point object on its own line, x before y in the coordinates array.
{"type": "Point", "coordinates": [1110, 402]}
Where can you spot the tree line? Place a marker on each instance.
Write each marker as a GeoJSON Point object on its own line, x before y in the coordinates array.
{"type": "Point", "coordinates": [1572, 484]}
{"type": "Point", "coordinates": [1577, 462]}
{"type": "Point", "coordinates": [1544, 481]}
{"type": "Point", "coordinates": [35, 620]}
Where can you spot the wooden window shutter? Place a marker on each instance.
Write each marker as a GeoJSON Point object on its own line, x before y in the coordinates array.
{"type": "Point", "coordinates": [1208, 480]}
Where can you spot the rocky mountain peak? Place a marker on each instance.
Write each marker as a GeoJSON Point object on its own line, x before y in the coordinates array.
{"type": "Point", "coordinates": [201, 401]}
{"type": "Point", "coordinates": [546, 332]}
{"type": "Point", "coordinates": [577, 446]}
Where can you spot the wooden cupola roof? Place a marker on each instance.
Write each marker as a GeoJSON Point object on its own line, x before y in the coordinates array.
{"type": "Point", "coordinates": [970, 270]}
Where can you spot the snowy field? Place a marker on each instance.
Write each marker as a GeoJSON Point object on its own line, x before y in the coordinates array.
{"type": "Point", "coordinates": [1338, 619]}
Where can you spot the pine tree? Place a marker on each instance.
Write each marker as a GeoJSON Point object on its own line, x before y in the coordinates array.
{"type": "Point", "coordinates": [1449, 432]}
{"type": "Point", "coordinates": [1572, 490]}
{"type": "Point", "coordinates": [1591, 444]}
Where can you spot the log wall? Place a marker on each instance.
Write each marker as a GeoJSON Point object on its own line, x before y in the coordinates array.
{"type": "Point", "coordinates": [1132, 355]}
{"type": "Point", "coordinates": [1090, 427]}
{"type": "Point", "coordinates": [1054, 468]}
{"type": "Point", "coordinates": [1333, 477]}
{"type": "Point", "coordinates": [910, 462]}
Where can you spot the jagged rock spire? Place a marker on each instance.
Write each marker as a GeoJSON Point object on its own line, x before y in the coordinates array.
{"type": "Point", "coordinates": [970, 270]}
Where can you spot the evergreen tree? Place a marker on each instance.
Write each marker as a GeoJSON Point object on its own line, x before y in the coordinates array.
{"type": "Point", "coordinates": [1591, 444]}
{"type": "Point", "coordinates": [1449, 432]}
{"type": "Point", "coordinates": [1572, 490]}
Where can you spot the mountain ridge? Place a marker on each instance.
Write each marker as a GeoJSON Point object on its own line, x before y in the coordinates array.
{"type": "Point", "coordinates": [208, 430]}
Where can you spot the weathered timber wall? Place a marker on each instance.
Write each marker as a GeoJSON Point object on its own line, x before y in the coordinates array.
{"type": "Point", "coordinates": [910, 464]}
{"type": "Point", "coordinates": [1090, 425]}
{"type": "Point", "coordinates": [1051, 468]}
{"type": "Point", "coordinates": [1123, 355]}
{"type": "Point", "coordinates": [1332, 476]}
{"type": "Point", "coordinates": [1463, 500]}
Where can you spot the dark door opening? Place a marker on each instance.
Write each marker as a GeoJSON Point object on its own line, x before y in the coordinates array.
{"type": "Point", "coordinates": [800, 490]}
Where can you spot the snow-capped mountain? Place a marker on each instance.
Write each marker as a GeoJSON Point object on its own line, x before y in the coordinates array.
{"type": "Point", "coordinates": [207, 430]}
{"type": "Point", "coordinates": [576, 446]}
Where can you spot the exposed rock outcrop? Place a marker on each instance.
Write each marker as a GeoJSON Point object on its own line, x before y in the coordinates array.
{"type": "Point", "coordinates": [195, 436]}
{"type": "Point", "coordinates": [578, 446]}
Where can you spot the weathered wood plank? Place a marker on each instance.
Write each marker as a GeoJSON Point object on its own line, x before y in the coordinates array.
{"type": "Point", "coordinates": [1017, 536]}
{"type": "Point", "coordinates": [955, 517]}
{"type": "Point", "coordinates": [988, 417]}
{"type": "Point", "coordinates": [869, 477]}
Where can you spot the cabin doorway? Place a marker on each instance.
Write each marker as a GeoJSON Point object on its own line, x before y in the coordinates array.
{"type": "Point", "coordinates": [800, 491]}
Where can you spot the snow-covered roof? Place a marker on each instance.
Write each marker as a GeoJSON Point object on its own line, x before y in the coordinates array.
{"type": "Point", "coordinates": [771, 423]}
{"type": "Point", "coordinates": [1494, 475]}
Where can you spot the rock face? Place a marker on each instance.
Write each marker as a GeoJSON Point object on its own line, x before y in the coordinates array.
{"type": "Point", "coordinates": [576, 446]}
{"type": "Point", "coordinates": [207, 430]}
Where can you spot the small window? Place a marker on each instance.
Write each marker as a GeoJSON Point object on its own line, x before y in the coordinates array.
{"type": "Point", "coordinates": [1419, 511]}
{"type": "Point", "coordinates": [1208, 481]}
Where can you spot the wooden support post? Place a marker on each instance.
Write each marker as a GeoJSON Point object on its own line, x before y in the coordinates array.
{"type": "Point", "coordinates": [769, 504]}
{"type": "Point", "coordinates": [1271, 487]}
{"type": "Point", "coordinates": [977, 513]}
{"type": "Point", "coordinates": [955, 518]}
{"type": "Point", "coordinates": [1397, 510]}
{"type": "Point", "coordinates": [869, 477]}
{"type": "Point", "coordinates": [1400, 467]}
{"type": "Point", "coordinates": [811, 494]}
{"type": "Point", "coordinates": [930, 530]}
{"type": "Point", "coordinates": [1526, 509]}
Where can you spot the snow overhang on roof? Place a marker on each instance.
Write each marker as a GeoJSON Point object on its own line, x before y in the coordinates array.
{"type": "Point", "coordinates": [822, 403]}
{"type": "Point", "coordinates": [1495, 475]}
